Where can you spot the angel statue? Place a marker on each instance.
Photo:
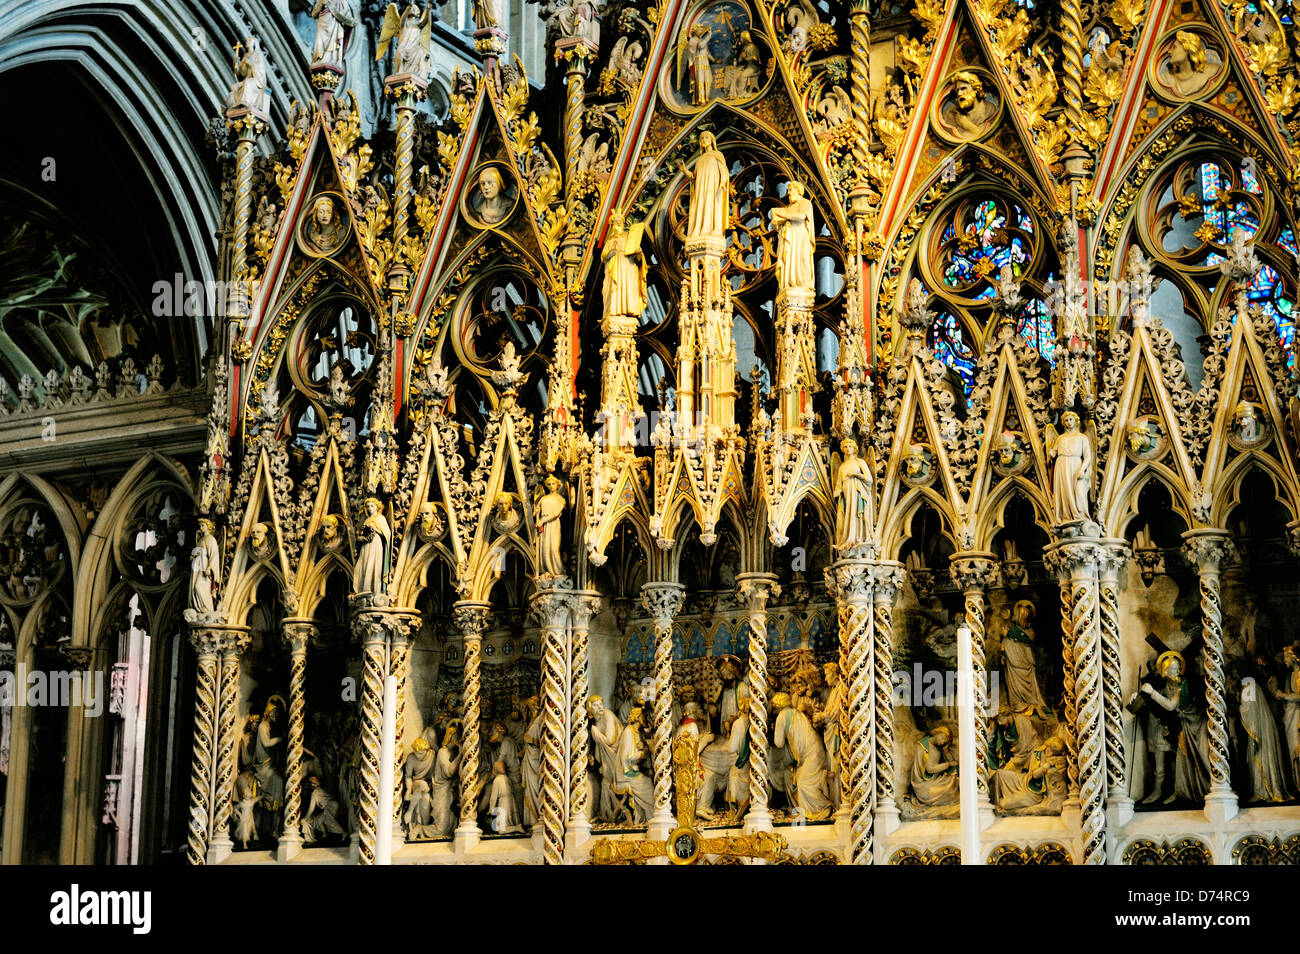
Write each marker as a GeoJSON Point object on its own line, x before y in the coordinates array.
{"type": "Point", "coordinates": [1073, 473]}
{"type": "Point", "coordinates": [549, 507]}
{"type": "Point", "coordinates": [854, 499]}
{"type": "Point", "coordinates": [249, 91]}
{"type": "Point", "coordinates": [205, 570]}
{"type": "Point", "coordinates": [412, 30]}
{"type": "Point", "coordinates": [695, 56]}
{"type": "Point", "coordinates": [332, 18]}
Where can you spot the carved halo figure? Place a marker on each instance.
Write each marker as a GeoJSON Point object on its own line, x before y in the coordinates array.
{"type": "Point", "coordinates": [1192, 752]}
{"type": "Point", "coordinates": [625, 269]}
{"type": "Point", "coordinates": [794, 730]}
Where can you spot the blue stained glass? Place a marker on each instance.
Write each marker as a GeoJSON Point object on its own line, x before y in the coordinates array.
{"type": "Point", "coordinates": [1287, 241]}
{"type": "Point", "coordinates": [985, 248]}
{"type": "Point", "coordinates": [948, 342]}
{"type": "Point", "coordinates": [1037, 330]}
{"type": "Point", "coordinates": [1231, 217]}
{"type": "Point", "coordinates": [1248, 180]}
{"type": "Point", "coordinates": [1266, 292]}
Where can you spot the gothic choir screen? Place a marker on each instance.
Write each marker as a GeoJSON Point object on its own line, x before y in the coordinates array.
{"type": "Point", "coordinates": [645, 431]}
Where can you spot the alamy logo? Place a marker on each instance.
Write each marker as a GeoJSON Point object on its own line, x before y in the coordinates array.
{"type": "Point", "coordinates": [76, 907]}
{"type": "Point", "coordinates": [60, 688]}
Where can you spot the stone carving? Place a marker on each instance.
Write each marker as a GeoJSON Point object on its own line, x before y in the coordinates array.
{"type": "Point", "coordinates": [968, 110]}
{"type": "Point", "coordinates": [855, 499]}
{"type": "Point", "coordinates": [370, 575]}
{"type": "Point", "coordinates": [625, 269]}
{"type": "Point", "coordinates": [333, 18]}
{"type": "Point", "coordinates": [795, 275]}
{"type": "Point", "coordinates": [1072, 474]}
{"type": "Point", "coordinates": [322, 230]}
{"type": "Point", "coordinates": [710, 205]}
{"type": "Point", "coordinates": [1188, 66]}
{"type": "Point", "coordinates": [492, 202]}
{"type": "Point", "coordinates": [249, 90]}
{"type": "Point", "coordinates": [412, 32]}
{"type": "Point", "coordinates": [550, 506]}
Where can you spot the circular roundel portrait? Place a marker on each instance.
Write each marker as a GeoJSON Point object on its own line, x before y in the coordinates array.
{"type": "Point", "coordinates": [1189, 65]}
{"type": "Point", "coordinates": [969, 107]}
{"type": "Point", "coordinates": [323, 227]}
{"type": "Point", "coordinates": [492, 195]}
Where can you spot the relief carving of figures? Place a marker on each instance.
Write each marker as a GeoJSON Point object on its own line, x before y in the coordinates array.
{"type": "Point", "coordinates": [933, 778]}
{"type": "Point", "coordinates": [413, 32]}
{"type": "Point", "coordinates": [794, 249]}
{"type": "Point", "coordinates": [1072, 475]}
{"type": "Point", "coordinates": [854, 499]}
{"type": "Point", "coordinates": [333, 18]}
{"type": "Point", "coordinates": [1019, 668]}
{"type": "Point", "coordinates": [417, 773]}
{"type": "Point", "coordinates": [249, 90]}
{"type": "Point", "coordinates": [1260, 741]}
{"type": "Point", "coordinates": [1185, 732]}
{"type": "Point", "coordinates": [258, 749]}
{"type": "Point", "coordinates": [633, 768]}
{"type": "Point", "coordinates": [701, 64]}
{"type": "Point", "coordinates": [828, 718]}
{"type": "Point", "coordinates": [371, 572]}
{"type": "Point", "coordinates": [321, 818]}
{"type": "Point", "coordinates": [445, 780]}
{"type": "Point", "coordinates": [710, 205]}
{"type": "Point", "coordinates": [322, 230]}
{"type": "Point", "coordinates": [492, 201]}
{"type": "Point", "coordinates": [605, 730]}
{"type": "Point", "coordinates": [1289, 696]}
{"type": "Point", "coordinates": [794, 731]}
{"type": "Point", "coordinates": [746, 75]}
{"type": "Point", "coordinates": [1039, 787]}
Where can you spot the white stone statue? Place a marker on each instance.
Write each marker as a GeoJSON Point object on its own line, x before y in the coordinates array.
{"type": "Point", "coordinates": [487, 14]}
{"type": "Point", "coordinates": [1262, 744]}
{"type": "Point", "coordinates": [1072, 475]}
{"type": "Point", "coordinates": [371, 572]}
{"type": "Point", "coordinates": [827, 718]}
{"type": "Point", "coordinates": [737, 791]}
{"type": "Point", "coordinates": [249, 91]}
{"type": "Point", "coordinates": [503, 813]}
{"type": "Point", "coordinates": [532, 765]}
{"type": "Point", "coordinates": [625, 269]}
{"type": "Point", "coordinates": [244, 808]}
{"type": "Point", "coordinates": [1288, 693]}
{"type": "Point", "coordinates": [205, 570]}
{"type": "Point", "coordinates": [322, 817]}
{"type": "Point", "coordinates": [794, 246]}
{"type": "Point", "coordinates": [701, 64]}
{"type": "Point", "coordinates": [934, 770]}
{"type": "Point", "coordinates": [710, 206]}
{"type": "Point", "coordinates": [508, 754]}
{"type": "Point", "coordinates": [417, 773]}
{"type": "Point", "coordinates": [333, 18]}
{"type": "Point", "coordinates": [412, 30]}
{"type": "Point", "coordinates": [444, 781]}
{"type": "Point", "coordinates": [1038, 788]}
{"type": "Point", "coordinates": [693, 723]}
{"type": "Point", "coordinates": [794, 731]}
{"type": "Point", "coordinates": [494, 203]}
{"type": "Point", "coordinates": [550, 559]}
{"type": "Point", "coordinates": [605, 731]}
{"type": "Point", "coordinates": [854, 499]}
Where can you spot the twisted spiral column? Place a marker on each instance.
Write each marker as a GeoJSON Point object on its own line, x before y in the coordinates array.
{"type": "Point", "coordinates": [374, 660]}
{"type": "Point", "coordinates": [1112, 561]}
{"type": "Point", "coordinates": [402, 173]}
{"type": "Point", "coordinates": [889, 580]}
{"type": "Point", "coordinates": [1072, 61]}
{"type": "Point", "coordinates": [205, 643]}
{"type": "Point", "coordinates": [585, 606]}
{"type": "Point", "coordinates": [754, 590]}
{"type": "Point", "coordinates": [663, 601]}
{"type": "Point", "coordinates": [974, 572]}
{"type": "Point", "coordinates": [1207, 550]}
{"type": "Point", "coordinates": [233, 644]}
{"type": "Point", "coordinates": [471, 620]}
{"type": "Point", "coordinates": [575, 84]}
{"type": "Point", "coordinates": [860, 80]}
{"type": "Point", "coordinates": [248, 129]}
{"type": "Point", "coordinates": [852, 582]}
{"type": "Point", "coordinates": [551, 609]}
{"type": "Point", "coordinates": [298, 634]}
{"type": "Point", "coordinates": [1054, 560]}
{"type": "Point", "coordinates": [399, 665]}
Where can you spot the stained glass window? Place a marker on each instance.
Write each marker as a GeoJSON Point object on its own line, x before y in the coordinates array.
{"type": "Point", "coordinates": [1220, 212]}
{"type": "Point", "coordinates": [1036, 327]}
{"type": "Point", "coordinates": [986, 244]}
{"type": "Point", "coordinates": [1266, 291]}
{"type": "Point", "coordinates": [948, 342]}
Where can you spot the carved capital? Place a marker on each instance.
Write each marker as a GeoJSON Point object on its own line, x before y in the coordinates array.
{"type": "Point", "coordinates": [372, 626]}
{"type": "Point", "coordinates": [1114, 555]}
{"type": "Point", "coordinates": [471, 619]}
{"type": "Point", "coordinates": [889, 577]}
{"type": "Point", "coordinates": [851, 580]}
{"type": "Point", "coordinates": [1072, 556]}
{"type": "Point", "coordinates": [754, 590]}
{"type": "Point", "coordinates": [551, 607]}
{"type": "Point", "coordinates": [1208, 550]}
{"type": "Point", "coordinates": [973, 571]}
{"type": "Point", "coordinates": [77, 657]}
{"type": "Point", "coordinates": [663, 601]}
{"type": "Point", "coordinates": [298, 634]}
{"type": "Point", "coordinates": [586, 604]}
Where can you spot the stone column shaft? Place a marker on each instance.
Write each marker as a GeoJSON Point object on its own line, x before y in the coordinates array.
{"type": "Point", "coordinates": [471, 620]}
{"type": "Point", "coordinates": [1207, 550]}
{"type": "Point", "coordinates": [206, 645]}
{"type": "Point", "coordinates": [663, 601]}
{"type": "Point", "coordinates": [974, 573]}
{"type": "Point", "coordinates": [298, 635]}
{"type": "Point", "coordinates": [754, 592]}
{"type": "Point", "coordinates": [852, 582]}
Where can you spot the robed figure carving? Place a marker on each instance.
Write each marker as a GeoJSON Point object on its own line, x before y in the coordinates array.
{"type": "Point", "coordinates": [625, 269]}
{"type": "Point", "coordinates": [854, 499]}
{"type": "Point", "coordinates": [550, 505]}
{"type": "Point", "coordinates": [794, 248]}
{"type": "Point", "coordinates": [1072, 475]}
{"type": "Point", "coordinates": [372, 561]}
{"type": "Point", "coordinates": [710, 207]}
{"type": "Point", "coordinates": [249, 91]}
{"type": "Point", "coordinates": [332, 18]}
